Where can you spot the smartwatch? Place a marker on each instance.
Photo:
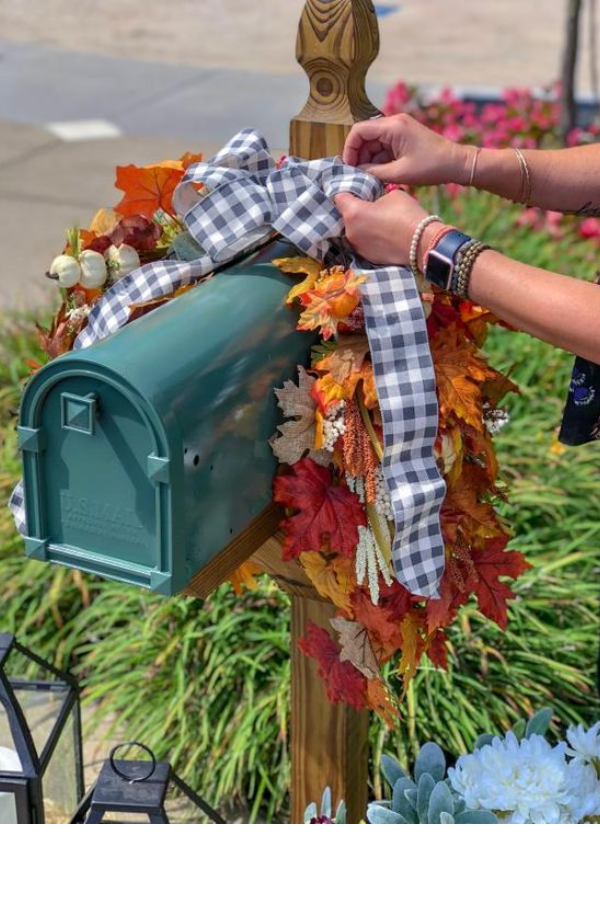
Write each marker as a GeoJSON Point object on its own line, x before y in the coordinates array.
{"type": "Point", "coordinates": [440, 262]}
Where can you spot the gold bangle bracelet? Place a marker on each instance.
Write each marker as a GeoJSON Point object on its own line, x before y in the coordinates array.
{"type": "Point", "coordinates": [525, 189]}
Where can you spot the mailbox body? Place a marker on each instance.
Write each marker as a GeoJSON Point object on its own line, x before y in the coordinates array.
{"type": "Point", "coordinates": [146, 453]}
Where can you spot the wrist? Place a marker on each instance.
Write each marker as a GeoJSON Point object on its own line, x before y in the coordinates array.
{"type": "Point", "coordinates": [428, 238]}
{"type": "Point", "coordinates": [461, 164]}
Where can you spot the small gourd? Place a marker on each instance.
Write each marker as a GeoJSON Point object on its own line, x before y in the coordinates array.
{"type": "Point", "coordinates": [66, 270]}
{"type": "Point", "coordinates": [122, 260]}
{"type": "Point", "coordinates": [93, 269]}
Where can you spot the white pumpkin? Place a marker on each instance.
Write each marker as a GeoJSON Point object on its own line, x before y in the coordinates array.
{"type": "Point", "coordinates": [66, 270]}
{"type": "Point", "coordinates": [122, 260]}
{"type": "Point", "coordinates": [93, 269]}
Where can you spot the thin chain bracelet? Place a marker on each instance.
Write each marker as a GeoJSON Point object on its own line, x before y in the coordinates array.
{"type": "Point", "coordinates": [414, 244]}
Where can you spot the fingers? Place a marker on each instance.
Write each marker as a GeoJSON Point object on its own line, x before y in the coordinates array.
{"type": "Point", "coordinates": [372, 130]}
{"type": "Point", "coordinates": [348, 204]}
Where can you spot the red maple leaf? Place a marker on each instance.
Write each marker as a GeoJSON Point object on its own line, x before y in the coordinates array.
{"type": "Point", "coordinates": [442, 612]}
{"type": "Point", "coordinates": [343, 683]}
{"type": "Point", "coordinates": [382, 621]}
{"type": "Point", "coordinates": [436, 650]}
{"type": "Point", "coordinates": [491, 563]}
{"type": "Point", "coordinates": [327, 512]}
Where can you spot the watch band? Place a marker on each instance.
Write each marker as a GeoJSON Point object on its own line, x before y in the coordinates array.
{"type": "Point", "coordinates": [439, 265]}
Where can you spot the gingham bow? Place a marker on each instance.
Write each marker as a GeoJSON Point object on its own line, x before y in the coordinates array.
{"type": "Point", "coordinates": [245, 197]}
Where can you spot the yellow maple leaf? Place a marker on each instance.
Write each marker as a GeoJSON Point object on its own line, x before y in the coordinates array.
{"type": "Point", "coordinates": [333, 578]}
{"type": "Point", "coordinates": [243, 578]}
{"type": "Point", "coordinates": [299, 265]}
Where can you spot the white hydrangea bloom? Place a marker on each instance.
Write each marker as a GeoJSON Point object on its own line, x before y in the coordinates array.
{"type": "Point", "coordinates": [584, 792]}
{"type": "Point", "coordinates": [521, 781]}
{"type": "Point", "coordinates": [584, 744]}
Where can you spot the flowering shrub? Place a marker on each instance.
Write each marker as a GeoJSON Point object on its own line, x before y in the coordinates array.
{"type": "Point", "coordinates": [518, 779]}
{"type": "Point", "coordinates": [520, 119]}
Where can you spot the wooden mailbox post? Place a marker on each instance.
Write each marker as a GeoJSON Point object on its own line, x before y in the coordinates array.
{"type": "Point", "coordinates": [337, 42]}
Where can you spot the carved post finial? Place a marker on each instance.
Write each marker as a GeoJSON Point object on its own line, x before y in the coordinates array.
{"type": "Point", "coordinates": [337, 42]}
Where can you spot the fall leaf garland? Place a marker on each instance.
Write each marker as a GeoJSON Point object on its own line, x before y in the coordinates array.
{"type": "Point", "coordinates": [338, 520]}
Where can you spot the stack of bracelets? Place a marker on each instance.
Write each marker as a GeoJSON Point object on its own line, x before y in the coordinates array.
{"type": "Point", "coordinates": [449, 258]}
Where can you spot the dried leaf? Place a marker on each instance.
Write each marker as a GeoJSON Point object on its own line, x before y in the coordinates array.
{"type": "Point", "coordinates": [300, 435]}
{"type": "Point", "coordinates": [356, 647]}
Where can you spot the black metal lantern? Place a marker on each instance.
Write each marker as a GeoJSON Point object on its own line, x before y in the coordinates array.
{"type": "Point", "coordinates": [144, 791]}
{"type": "Point", "coordinates": [41, 768]}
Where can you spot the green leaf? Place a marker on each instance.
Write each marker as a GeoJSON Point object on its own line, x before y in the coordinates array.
{"type": "Point", "coordinates": [446, 819]}
{"type": "Point", "coordinates": [483, 741]}
{"type": "Point", "coordinates": [400, 802]}
{"type": "Point", "coordinates": [439, 802]}
{"type": "Point", "coordinates": [476, 817]}
{"type": "Point", "coordinates": [424, 788]}
{"type": "Point", "coordinates": [310, 812]}
{"type": "Point", "coordinates": [391, 769]}
{"type": "Point", "coordinates": [379, 815]}
{"type": "Point", "coordinates": [540, 722]}
{"type": "Point", "coordinates": [518, 729]}
{"type": "Point", "coordinates": [432, 760]}
{"type": "Point", "coordinates": [326, 803]}
{"type": "Point", "coordinates": [340, 813]}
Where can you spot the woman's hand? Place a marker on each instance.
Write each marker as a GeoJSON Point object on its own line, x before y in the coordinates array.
{"type": "Point", "coordinates": [399, 149]}
{"type": "Point", "coordinates": [382, 231]}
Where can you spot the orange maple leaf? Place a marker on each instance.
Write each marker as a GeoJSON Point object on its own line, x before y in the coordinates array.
{"type": "Point", "coordinates": [459, 370]}
{"type": "Point", "coordinates": [243, 578]}
{"type": "Point", "coordinates": [413, 644]}
{"type": "Point", "coordinates": [379, 700]}
{"type": "Point", "coordinates": [148, 188]}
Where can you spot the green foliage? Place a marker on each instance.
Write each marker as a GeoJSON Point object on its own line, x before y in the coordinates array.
{"type": "Point", "coordinates": [425, 799]}
{"type": "Point", "coordinates": [314, 815]}
{"type": "Point", "coordinates": [207, 682]}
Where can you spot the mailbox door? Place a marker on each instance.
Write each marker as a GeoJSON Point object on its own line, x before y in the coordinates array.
{"type": "Point", "coordinates": [101, 505]}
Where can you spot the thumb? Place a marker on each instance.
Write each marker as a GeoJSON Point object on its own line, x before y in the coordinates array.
{"type": "Point", "coordinates": [392, 172]}
{"type": "Point", "coordinates": [349, 204]}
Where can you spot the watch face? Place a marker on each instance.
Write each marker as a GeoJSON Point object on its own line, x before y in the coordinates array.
{"type": "Point", "coordinates": [438, 270]}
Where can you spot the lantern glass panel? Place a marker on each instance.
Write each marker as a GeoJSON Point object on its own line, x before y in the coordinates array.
{"type": "Point", "coordinates": [59, 782]}
{"type": "Point", "coordinates": [8, 808]}
{"type": "Point", "coordinates": [9, 759]}
{"type": "Point", "coordinates": [40, 695]}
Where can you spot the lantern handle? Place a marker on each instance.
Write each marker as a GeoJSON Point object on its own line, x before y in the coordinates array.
{"type": "Point", "coordinates": [118, 772]}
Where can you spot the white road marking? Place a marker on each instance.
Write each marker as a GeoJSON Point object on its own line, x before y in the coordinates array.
{"type": "Point", "coordinates": [83, 130]}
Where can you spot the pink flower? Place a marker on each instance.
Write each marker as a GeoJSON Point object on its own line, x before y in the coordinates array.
{"type": "Point", "coordinates": [589, 228]}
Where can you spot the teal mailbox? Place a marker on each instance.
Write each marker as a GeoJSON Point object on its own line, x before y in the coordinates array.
{"type": "Point", "coordinates": [147, 453]}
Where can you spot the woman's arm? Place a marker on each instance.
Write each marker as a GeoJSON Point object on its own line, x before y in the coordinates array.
{"type": "Point", "coordinates": [561, 310]}
{"type": "Point", "coordinates": [566, 180]}
{"type": "Point", "coordinates": [401, 150]}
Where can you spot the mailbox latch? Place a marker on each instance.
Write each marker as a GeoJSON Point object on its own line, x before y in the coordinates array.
{"type": "Point", "coordinates": [78, 413]}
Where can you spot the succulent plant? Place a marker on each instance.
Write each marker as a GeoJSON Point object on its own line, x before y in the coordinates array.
{"type": "Point", "coordinates": [424, 799]}
{"type": "Point", "coordinates": [314, 816]}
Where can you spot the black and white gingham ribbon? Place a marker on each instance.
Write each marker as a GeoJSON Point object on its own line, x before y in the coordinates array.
{"type": "Point", "coordinates": [244, 199]}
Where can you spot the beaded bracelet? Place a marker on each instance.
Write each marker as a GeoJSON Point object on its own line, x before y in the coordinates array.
{"type": "Point", "coordinates": [465, 267]}
{"type": "Point", "coordinates": [414, 244]}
